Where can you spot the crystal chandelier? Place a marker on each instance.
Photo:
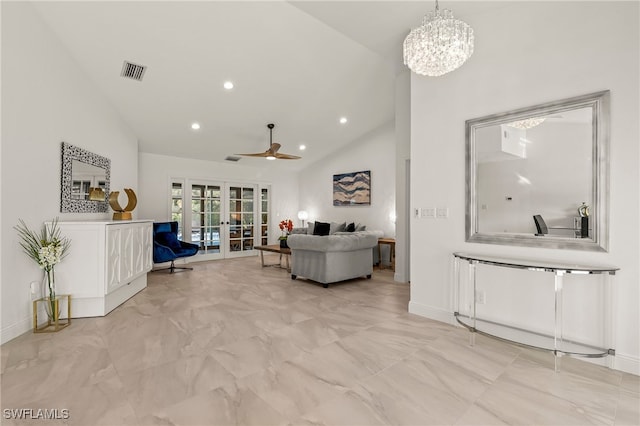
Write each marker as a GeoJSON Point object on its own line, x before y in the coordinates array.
{"type": "Point", "coordinates": [440, 45]}
{"type": "Point", "coordinates": [527, 123]}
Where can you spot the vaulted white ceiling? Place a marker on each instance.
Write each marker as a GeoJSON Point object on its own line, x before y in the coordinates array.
{"type": "Point", "coordinates": [300, 65]}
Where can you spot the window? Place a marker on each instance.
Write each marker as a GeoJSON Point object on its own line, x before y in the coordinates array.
{"type": "Point", "coordinates": [177, 201]}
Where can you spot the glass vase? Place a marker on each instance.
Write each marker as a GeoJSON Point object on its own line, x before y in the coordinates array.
{"type": "Point", "coordinates": [49, 294]}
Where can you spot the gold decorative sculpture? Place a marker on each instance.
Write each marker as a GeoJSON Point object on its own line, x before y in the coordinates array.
{"type": "Point", "coordinates": [96, 194]}
{"type": "Point", "coordinates": [120, 213]}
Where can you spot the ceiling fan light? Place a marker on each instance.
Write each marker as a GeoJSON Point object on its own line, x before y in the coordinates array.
{"type": "Point", "coordinates": [272, 153]}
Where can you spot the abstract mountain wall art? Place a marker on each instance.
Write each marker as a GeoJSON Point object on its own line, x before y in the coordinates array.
{"type": "Point", "coordinates": [352, 189]}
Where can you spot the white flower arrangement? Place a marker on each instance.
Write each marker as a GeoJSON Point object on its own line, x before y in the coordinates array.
{"type": "Point", "coordinates": [47, 248]}
{"type": "Point", "coordinates": [49, 256]}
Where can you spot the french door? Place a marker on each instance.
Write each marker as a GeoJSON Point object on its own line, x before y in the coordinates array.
{"type": "Point", "coordinates": [224, 219]}
{"type": "Point", "coordinates": [206, 218]}
{"type": "Point", "coordinates": [241, 219]}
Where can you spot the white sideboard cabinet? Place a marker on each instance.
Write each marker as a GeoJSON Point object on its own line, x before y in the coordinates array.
{"type": "Point", "coordinates": [107, 264]}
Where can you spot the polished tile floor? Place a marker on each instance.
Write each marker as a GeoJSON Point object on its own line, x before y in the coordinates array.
{"type": "Point", "coordinates": [233, 343]}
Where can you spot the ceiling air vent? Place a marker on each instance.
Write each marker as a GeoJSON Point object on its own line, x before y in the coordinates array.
{"type": "Point", "coordinates": [232, 158]}
{"type": "Point", "coordinates": [132, 71]}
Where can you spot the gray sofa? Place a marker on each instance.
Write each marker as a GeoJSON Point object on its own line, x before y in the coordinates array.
{"type": "Point", "coordinates": [332, 258]}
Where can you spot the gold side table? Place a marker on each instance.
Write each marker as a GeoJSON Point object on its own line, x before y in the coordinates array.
{"type": "Point", "coordinates": [57, 323]}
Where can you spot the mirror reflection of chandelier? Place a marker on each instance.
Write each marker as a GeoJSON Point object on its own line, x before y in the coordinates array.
{"type": "Point", "coordinates": [527, 123]}
{"type": "Point", "coordinates": [440, 45]}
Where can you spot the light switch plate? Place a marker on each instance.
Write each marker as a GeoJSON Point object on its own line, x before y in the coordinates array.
{"type": "Point", "coordinates": [442, 212]}
{"type": "Point", "coordinates": [429, 213]}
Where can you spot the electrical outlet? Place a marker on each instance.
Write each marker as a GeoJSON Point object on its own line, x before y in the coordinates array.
{"type": "Point", "coordinates": [34, 290]}
{"type": "Point", "coordinates": [481, 297]}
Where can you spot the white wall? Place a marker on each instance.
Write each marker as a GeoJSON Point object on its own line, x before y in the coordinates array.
{"type": "Point", "coordinates": [526, 54]}
{"type": "Point", "coordinates": [157, 170]}
{"type": "Point", "coordinates": [374, 151]}
{"type": "Point", "coordinates": [46, 99]}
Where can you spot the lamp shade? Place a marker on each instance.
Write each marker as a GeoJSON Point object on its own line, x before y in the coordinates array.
{"type": "Point", "coordinates": [303, 215]}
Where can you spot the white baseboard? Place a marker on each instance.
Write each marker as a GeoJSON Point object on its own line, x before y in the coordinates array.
{"type": "Point", "coordinates": [430, 312]}
{"type": "Point", "coordinates": [14, 330]}
{"type": "Point", "coordinates": [627, 363]}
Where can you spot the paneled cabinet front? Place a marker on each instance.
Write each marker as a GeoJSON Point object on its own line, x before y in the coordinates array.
{"type": "Point", "coordinates": [129, 254]}
{"type": "Point", "coordinates": [107, 264]}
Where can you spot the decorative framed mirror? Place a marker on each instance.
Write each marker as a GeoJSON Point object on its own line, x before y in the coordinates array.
{"type": "Point", "coordinates": [539, 176]}
{"type": "Point", "coordinates": [84, 181]}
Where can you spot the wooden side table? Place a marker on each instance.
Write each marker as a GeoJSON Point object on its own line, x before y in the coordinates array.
{"type": "Point", "coordinates": [391, 242]}
{"type": "Point", "coordinates": [286, 252]}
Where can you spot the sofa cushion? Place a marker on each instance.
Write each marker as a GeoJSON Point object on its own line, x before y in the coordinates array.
{"type": "Point", "coordinates": [361, 227]}
{"type": "Point", "coordinates": [350, 227]}
{"type": "Point", "coordinates": [321, 228]}
{"type": "Point", "coordinates": [337, 227]}
{"type": "Point", "coordinates": [162, 227]}
{"type": "Point", "coordinates": [331, 243]}
{"type": "Point", "coordinates": [168, 239]}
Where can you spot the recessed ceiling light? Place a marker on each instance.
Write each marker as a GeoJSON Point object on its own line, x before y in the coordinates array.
{"type": "Point", "coordinates": [195, 126]}
{"type": "Point", "coordinates": [343, 120]}
{"type": "Point", "coordinates": [228, 85]}
{"type": "Point", "coordinates": [302, 147]}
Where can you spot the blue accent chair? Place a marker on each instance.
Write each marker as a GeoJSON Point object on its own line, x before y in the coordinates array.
{"type": "Point", "coordinates": [167, 247]}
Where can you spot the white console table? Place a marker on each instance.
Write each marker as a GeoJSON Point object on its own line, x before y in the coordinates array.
{"type": "Point", "coordinates": [106, 265]}
{"type": "Point", "coordinates": [555, 343]}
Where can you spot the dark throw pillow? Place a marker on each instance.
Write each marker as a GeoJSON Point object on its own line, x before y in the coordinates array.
{"type": "Point", "coordinates": [321, 228]}
{"type": "Point", "coordinates": [351, 227]}
{"type": "Point", "coordinates": [168, 239]}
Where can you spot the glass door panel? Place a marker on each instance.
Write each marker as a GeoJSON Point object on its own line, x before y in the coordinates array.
{"type": "Point", "coordinates": [264, 216]}
{"type": "Point", "coordinates": [80, 189]}
{"type": "Point", "coordinates": [205, 218]}
{"type": "Point", "coordinates": [235, 219]}
{"type": "Point", "coordinates": [241, 215]}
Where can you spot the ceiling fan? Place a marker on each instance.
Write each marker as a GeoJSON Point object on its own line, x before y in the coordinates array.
{"type": "Point", "coordinates": [272, 153]}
